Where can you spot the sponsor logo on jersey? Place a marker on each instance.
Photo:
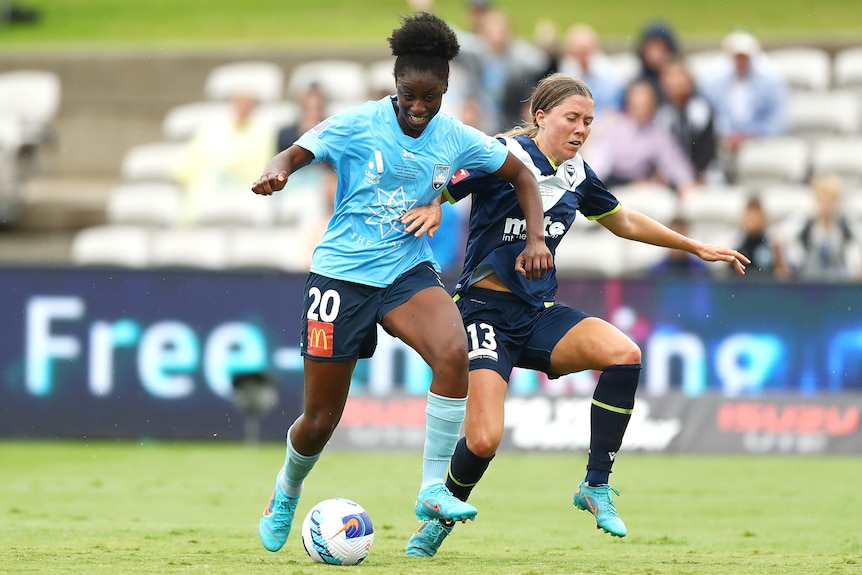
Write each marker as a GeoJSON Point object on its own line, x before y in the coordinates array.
{"type": "Point", "coordinates": [460, 175]}
{"type": "Point", "coordinates": [516, 229]}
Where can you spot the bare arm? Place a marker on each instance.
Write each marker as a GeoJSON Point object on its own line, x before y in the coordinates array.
{"type": "Point", "coordinates": [633, 225]}
{"type": "Point", "coordinates": [536, 260]}
{"type": "Point", "coordinates": [279, 168]}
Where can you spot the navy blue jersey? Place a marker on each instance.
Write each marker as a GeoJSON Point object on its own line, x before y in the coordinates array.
{"type": "Point", "coordinates": [498, 229]}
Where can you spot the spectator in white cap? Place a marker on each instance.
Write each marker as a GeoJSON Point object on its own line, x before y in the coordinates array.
{"type": "Point", "coordinates": [747, 92]}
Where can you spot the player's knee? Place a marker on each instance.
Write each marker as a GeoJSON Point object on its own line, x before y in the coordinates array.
{"type": "Point", "coordinates": [484, 444]}
{"type": "Point", "coordinates": [450, 358]}
{"type": "Point", "coordinates": [319, 426]}
{"type": "Point", "coordinates": [626, 353]}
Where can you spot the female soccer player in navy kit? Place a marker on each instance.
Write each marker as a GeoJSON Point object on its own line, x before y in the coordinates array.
{"type": "Point", "coordinates": [373, 264]}
{"type": "Point", "coordinates": [511, 322]}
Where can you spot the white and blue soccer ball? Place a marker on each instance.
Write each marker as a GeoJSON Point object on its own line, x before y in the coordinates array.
{"type": "Point", "coordinates": [338, 532]}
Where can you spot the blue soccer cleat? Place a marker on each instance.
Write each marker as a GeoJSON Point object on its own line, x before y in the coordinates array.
{"type": "Point", "coordinates": [428, 538]}
{"type": "Point", "coordinates": [597, 500]}
{"type": "Point", "coordinates": [437, 502]}
{"type": "Point", "coordinates": [277, 519]}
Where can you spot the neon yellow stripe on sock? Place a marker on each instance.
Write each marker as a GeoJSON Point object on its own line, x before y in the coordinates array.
{"type": "Point", "coordinates": [612, 408]}
{"type": "Point", "coordinates": [459, 484]}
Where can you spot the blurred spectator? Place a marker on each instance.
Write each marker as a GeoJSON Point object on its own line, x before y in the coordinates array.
{"type": "Point", "coordinates": [756, 243]}
{"type": "Point", "coordinates": [689, 117]}
{"type": "Point", "coordinates": [224, 155]}
{"type": "Point", "coordinates": [632, 147]}
{"type": "Point", "coordinates": [312, 111]}
{"type": "Point", "coordinates": [583, 59]}
{"type": "Point", "coordinates": [501, 70]}
{"type": "Point", "coordinates": [747, 93]}
{"type": "Point", "coordinates": [679, 263]}
{"type": "Point", "coordinates": [824, 245]}
{"type": "Point", "coordinates": [657, 45]}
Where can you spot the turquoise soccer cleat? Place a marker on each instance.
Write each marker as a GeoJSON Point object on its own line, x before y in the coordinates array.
{"type": "Point", "coordinates": [437, 502]}
{"type": "Point", "coordinates": [597, 500]}
{"type": "Point", "coordinates": [428, 538]}
{"type": "Point", "coordinates": [277, 519]}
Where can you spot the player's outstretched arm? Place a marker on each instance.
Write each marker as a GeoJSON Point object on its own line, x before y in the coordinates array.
{"type": "Point", "coordinates": [633, 225]}
{"type": "Point", "coordinates": [424, 219]}
{"type": "Point", "coordinates": [279, 168]}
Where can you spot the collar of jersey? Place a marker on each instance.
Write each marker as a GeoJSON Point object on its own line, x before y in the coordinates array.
{"type": "Point", "coordinates": [540, 160]}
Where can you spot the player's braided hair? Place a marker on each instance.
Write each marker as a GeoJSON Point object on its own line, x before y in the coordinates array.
{"type": "Point", "coordinates": [424, 42]}
{"type": "Point", "coordinates": [549, 93]}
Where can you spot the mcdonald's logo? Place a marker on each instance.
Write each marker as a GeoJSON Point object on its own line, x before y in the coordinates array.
{"type": "Point", "coordinates": [320, 338]}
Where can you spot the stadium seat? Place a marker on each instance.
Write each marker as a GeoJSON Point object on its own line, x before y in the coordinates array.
{"type": "Point", "coordinates": [590, 254]}
{"type": "Point", "coordinates": [190, 247]}
{"type": "Point", "coordinates": [154, 161]}
{"type": "Point", "coordinates": [625, 64]}
{"type": "Point", "coordinates": [112, 245]}
{"type": "Point", "coordinates": [803, 67]}
{"type": "Point", "coordinates": [842, 156]}
{"type": "Point", "coordinates": [814, 114]}
{"type": "Point", "coordinates": [277, 114]}
{"type": "Point", "coordinates": [182, 121]}
{"type": "Point", "coordinates": [264, 80]}
{"type": "Point", "coordinates": [714, 204]}
{"type": "Point", "coordinates": [34, 97]}
{"type": "Point", "coordinates": [786, 201]}
{"type": "Point", "coordinates": [847, 69]}
{"type": "Point", "coordinates": [772, 161]}
{"type": "Point", "coordinates": [344, 82]}
{"type": "Point", "coordinates": [235, 210]}
{"type": "Point", "coordinates": [380, 78]}
{"type": "Point", "coordinates": [703, 62]}
{"type": "Point", "coordinates": [267, 248]}
{"type": "Point", "coordinates": [655, 200]}
{"type": "Point", "coordinates": [156, 204]}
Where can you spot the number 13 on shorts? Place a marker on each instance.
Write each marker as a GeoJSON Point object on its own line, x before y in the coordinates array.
{"type": "Point", "coordinates": [482, 341]}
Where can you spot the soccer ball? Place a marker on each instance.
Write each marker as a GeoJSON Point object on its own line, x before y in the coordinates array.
{"type": "Point", "coordinates": [337, 531]}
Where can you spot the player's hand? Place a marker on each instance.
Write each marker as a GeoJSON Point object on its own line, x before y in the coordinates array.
{"type": "Point", "coordinates": [423, 220]}
{"type": "Point", "coordinates": [269, 182]}
{"type": "Point", "coordinates": [711, 253]}
{"type": "Point", "coordinates": [535, 261]}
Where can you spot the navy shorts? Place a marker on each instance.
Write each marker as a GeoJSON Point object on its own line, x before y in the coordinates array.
{"type": "Point", "coordinates": [504, 332]}
{"type": "Point", "coordinates": [339, 318]}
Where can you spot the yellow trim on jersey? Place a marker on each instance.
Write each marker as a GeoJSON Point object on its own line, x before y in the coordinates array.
{"type": "Point", "coordinates": [600, 216]}
{"type": "Point", "coordinates": [456, 297]}
{"type": "Point", "coordinates": [612, 408]}
{"type": "Point", "coordinates": [549, 304]}
{"type": "Point", "coordinates": [448, 196]}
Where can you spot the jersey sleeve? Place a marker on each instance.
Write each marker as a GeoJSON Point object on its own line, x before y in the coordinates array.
{"type": "Point", "coordinates": [598, 201]}
{"type": "Point", "coordinates": [328, 139]}
{"type": "Point", "coordinates": [466, 182]}
{"type": "Point", "coordinates": [484, 156]}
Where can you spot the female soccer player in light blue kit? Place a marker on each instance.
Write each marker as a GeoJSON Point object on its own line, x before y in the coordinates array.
{"type": "Point", "coordinates": [373, 264]}
{"type": "Point", "coordinates": [511, 322]}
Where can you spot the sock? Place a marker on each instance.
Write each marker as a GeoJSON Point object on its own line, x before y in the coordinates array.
{"type": "Point", "coordinates": [465, 470]}
{"type": "Point", "coordinates": [443, 419]}
{"type": "Point", "coordinates": [613, 402]}
{"type": "Point", "coordinates": [296, 469]}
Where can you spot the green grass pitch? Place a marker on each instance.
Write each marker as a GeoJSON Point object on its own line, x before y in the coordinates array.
{"type": "Point", "coordinates": [163, 508]}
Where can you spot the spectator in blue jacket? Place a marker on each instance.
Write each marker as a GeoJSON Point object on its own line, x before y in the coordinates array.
{"type": "Point", "coordinates": [748, 94]}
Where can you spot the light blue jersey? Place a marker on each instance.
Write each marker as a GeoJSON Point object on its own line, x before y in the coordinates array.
{"type": "Point", "coordinates": [382, 173]}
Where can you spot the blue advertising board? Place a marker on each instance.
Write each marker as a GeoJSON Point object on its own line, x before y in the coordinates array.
{"type": "Point", "coordinates": [87, 352]}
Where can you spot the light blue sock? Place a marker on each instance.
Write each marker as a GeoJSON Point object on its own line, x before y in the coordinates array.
{"type": "Point", "coordinates": [443, 419]}
{"type": "Point", "coordinates": [296, 469]}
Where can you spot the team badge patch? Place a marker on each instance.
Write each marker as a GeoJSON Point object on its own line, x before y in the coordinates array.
{"type": "Point", "coordinates": [570, 175]}
{"type": "Point", "coordinates": [440, 176]}
{"type": "Point", "coordinates": [320, 338]}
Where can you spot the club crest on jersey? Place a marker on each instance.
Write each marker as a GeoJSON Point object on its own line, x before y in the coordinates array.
{"type": "Point", "coordinates": [440, 175]}
{"type": "Point", "coordinates": [570, 175]}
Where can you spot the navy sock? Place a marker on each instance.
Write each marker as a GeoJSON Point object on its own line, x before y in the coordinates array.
{"type": "Point", "coordinates": [465, 470]}
{"type": "Point", "coordinates": [613, 402]}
